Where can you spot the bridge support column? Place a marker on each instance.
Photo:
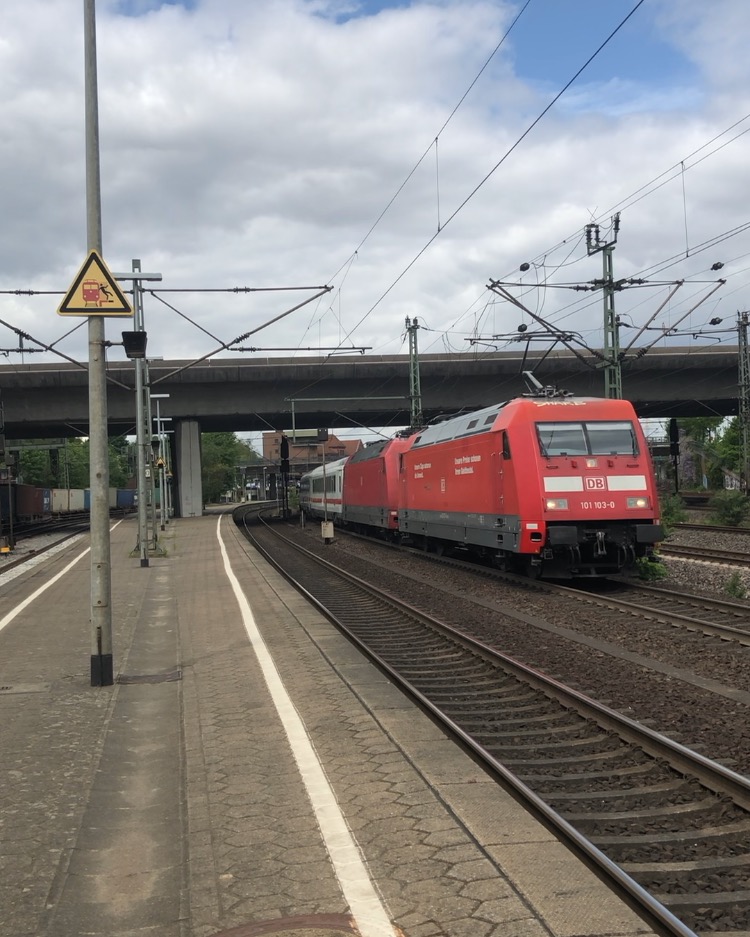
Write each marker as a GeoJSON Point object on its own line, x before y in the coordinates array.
{"type": "Point", "coordinates": [189, 500]}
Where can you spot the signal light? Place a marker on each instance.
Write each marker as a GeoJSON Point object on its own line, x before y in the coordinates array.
{"type": "Point", "coordinates": [134, 344]}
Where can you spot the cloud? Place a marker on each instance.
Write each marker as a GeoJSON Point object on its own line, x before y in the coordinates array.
{"type": "Point", "coordinates": [257, 144]}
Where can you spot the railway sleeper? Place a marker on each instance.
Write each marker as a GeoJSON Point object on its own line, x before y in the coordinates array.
{"type": "Point", "coordinates": [665, 812]}
{"type": "Point", "coordinates": [659, 869]}
{"type": "Point", "coordinates": [715, 834]}
{"type": "Point", "coordinates": [515, 733]}
{"type": "Point", "coordinates": [640, 769]}
{"type": "Point", "coordinates": [554, 745]}
{"type": "Point", "coordinates": [700, 901]}
{"type": "Point", "coordinates": [578, 758]}
{"type": "Point", "coordinates": [654, 790]}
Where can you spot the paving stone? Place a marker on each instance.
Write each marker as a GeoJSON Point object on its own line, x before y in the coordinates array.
{"type": "Point", "coordinates": [177, 809]}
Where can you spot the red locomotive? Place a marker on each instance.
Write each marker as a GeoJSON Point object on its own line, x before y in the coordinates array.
{"type": "Point", "coordinates": [547, 483]}
{"type": "Point", "coordinates": [371, 486]}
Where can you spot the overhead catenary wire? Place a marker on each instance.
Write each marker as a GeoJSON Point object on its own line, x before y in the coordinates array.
{"type": "Point", "coordinates": [433, 142]}
{"type": "Point", "coordinates": [497, 165]}
{"type": "Point", "coordinates": [642, 192]}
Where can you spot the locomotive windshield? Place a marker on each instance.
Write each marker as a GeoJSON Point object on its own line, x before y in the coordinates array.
{"type": "Point", "coordinates": [594, 438]}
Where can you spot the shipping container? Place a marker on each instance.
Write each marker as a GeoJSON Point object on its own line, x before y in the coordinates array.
{"type": "Point", "coordinates": [86, 499]}
{"type": "Point", "coordinates": [29, 502]}
{"type": "Point", "coordinates": [125, 498]}
{"type": "Point", "coordinates": [76, 500]}
{"type": "Point", "coordinates": [60, 501]}
{"type": "Point", "coordinates": [6, 498]}
{"type": "Point", "coordinates": [112, 498]}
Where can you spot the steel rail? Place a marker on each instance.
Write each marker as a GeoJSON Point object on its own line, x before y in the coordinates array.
{"type": "Point", "coordinates": [714, 776]}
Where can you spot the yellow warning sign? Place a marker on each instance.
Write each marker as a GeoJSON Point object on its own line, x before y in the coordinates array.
{"type": "Point", "coordinates": [94, 292]}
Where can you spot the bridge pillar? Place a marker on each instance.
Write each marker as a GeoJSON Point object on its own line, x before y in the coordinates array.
{"type": "Point", "coordinates": [189, 500]}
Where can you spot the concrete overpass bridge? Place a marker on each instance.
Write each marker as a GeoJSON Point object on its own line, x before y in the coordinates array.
{"type": "Point", "coordinates": [251, 395]}
{"type": "Point", "coordinates": [242, 394]}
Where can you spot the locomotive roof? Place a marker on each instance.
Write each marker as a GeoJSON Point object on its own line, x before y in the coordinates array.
{"type": "Point", "coordinates": [479, 421]}
{"type": "Point", "coordinates": [370, 451]}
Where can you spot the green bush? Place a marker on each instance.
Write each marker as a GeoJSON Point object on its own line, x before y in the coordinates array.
{"type": "Point", "coordinates": [735, 587]}
{"type": "Point", "coordinates": [672, 511]}
{"type": "Point", "coordinates": [650, 568]}
{"type": "Point", "coordinates": [730, 508]}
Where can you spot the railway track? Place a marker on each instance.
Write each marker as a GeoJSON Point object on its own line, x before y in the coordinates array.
{"type": "Point", "coordinates": [667, 826]}
{"type": "Point", "coordinates": [718, 618]}
{"type": "Point", "coordinates": [727, 557]}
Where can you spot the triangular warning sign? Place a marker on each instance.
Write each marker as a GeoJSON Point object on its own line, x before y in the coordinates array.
{"type": "Point", "coordinates": [94, 292]}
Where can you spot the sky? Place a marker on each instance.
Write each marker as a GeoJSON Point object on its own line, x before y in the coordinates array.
{"type": "Point", "coordinates": [403, 154]}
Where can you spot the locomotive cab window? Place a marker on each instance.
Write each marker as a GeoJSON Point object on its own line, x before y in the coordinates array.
{"type": "Point", "coordinates": [594, 438]}
{"type": "Point", "coordinates": [506, 445]}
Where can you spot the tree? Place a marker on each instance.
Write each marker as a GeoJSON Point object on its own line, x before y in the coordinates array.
{"type": "Point", "coordinates": [50, 464]}
{"type": "Point", "coordinates": [713, 442]}
{"type": "Point", "coordinates": [701, 429]}
{"type": "Point", "coordinates": [221, 455]}
{"type": "Point", "coordinates": [729, 446]}
{"type": "Point", "coordinates": [119, 459]}
{"type": "Point", "coordinates": [34, 468]}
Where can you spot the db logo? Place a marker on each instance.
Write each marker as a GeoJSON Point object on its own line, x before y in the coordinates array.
{"type": "Point", "coordinates": [595, 482]}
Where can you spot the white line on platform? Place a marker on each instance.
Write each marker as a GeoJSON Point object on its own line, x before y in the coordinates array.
{"type": "Point", "coordinates": [370, 916]}
{"type": "Point", "coordinates": [50, 582]}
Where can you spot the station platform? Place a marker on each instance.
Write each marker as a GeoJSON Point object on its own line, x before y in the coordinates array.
{"type": "Point", "coordinates": [249, 772]}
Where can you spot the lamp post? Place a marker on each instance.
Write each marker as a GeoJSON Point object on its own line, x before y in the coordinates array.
{"type": "Point", "coordinates": [162, 466]}
{"type": "Point", "coordinates": [160, 457]}
{"type": "Point", "coordinates": [155, 446]}
{"type": "Point", "coordinates": [135, 348]}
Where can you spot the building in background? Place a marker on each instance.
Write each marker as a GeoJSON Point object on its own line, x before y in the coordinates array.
{"type": "Point", "coordinates": [306, 449]}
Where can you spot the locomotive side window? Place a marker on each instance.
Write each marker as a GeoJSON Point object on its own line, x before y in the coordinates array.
{"type": "Point", "coordinates": [576, 439]}
{"type": "Point", "coordinates": [506, 446]}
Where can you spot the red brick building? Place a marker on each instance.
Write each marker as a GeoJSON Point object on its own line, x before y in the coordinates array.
{"type": "Point", "coordinates": [305, 452]}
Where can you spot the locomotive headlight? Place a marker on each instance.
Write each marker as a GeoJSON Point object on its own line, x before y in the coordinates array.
{"type": "Point", "coordinates": [556, 504]}
{"type": "Point", "coordinates": [638, 502]}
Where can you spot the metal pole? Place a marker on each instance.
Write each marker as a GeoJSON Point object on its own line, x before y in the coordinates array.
{"type": "Point", "coordinates": [415, 388]}
{"type": "Point", "coordinates": [613, 366]}
{"type": "Point", "coordinates": [140, 427]}
{"type": "Point", "coordinates": [102, 667]}
{"type": "Point", "coordinates": [743, 348]}
{"type": "Point", "coordinates": [160, 467]}
{"type": "Point", "coordinates": [613, 372]}
{"type": "Point", "coordinates": [325, 492]}
{"type": "Point", "coordinates": [11, 537]}
{"type": "Point", "coordinates": [162, 492]}
{"type": "Point", "coordinates": [168, 476]}
{"type": "Point", "coordinates": [152, 480]}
